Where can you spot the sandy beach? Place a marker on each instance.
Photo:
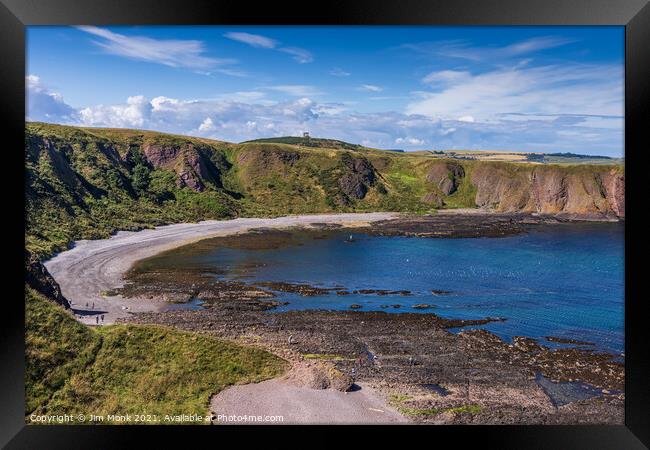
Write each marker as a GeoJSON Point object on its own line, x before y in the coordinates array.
{"type": "Point", "coordinates": [279, 402]}
{"type": "Point", "coordinates": [92, 268]}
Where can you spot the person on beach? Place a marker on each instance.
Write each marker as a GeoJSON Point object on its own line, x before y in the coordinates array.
{"type": "Point", "coordinates": [290, 339]}
{"type": "Point", "coordinates": [97, 320]}
{"type": "Point", "coordinates": [102, 318]}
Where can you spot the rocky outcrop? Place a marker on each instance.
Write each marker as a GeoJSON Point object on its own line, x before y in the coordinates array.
{"type": "Point", "coordinates": [318, 375]}
{"type": "Point", "coordinates": [38, 278]}
{"type": "Point", "coordinates": [433, 199]}
{"type": "Point", "coordinates": [192, 164]}
{"type": "Point", "coordinates": [359, 176]}
{"type": "Point", "coordinates": [446, 176]}
{"type": "Point", "coordinates": [580, 192]}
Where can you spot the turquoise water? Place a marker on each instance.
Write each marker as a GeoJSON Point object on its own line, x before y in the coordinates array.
{"type": "Point", "coordinates": [564, 280]}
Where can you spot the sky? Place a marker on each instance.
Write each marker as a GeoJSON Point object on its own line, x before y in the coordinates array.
{"type": "Point", "coordinates": [540, 89]}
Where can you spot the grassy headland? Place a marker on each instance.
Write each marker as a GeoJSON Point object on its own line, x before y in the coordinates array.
{"type": "Point", "coordinates": [128, 369]}
{"type": "Point", "coordinates": [86, 183]}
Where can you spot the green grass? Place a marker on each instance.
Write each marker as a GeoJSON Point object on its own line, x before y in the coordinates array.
{"type": "Point", "coordinates": [57, 346]}
{"type": "Point", "coordinates": [309, 142]}
{"type": "Point", "coordinates": [465, 195]}
{"type": "Point", "coordinates": [398, 400]}
{"type": "Point", "coordinates": [426, 412]}
{"type": "Point", "coordinates": [129, 369]}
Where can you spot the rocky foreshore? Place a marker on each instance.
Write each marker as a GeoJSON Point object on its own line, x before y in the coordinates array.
{"type": "Point", "coordinates": [429, 373]}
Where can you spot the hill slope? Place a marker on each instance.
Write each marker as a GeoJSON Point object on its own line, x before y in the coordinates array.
{"type": "Point", "coordinates": [87, 183]}
{"type": "Point", "coordinates": [311, 142]}
{"type": "Point", "coordinates": [128, 369]}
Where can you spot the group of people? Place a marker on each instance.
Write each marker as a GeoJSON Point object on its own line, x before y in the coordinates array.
{"type": "Point", "coordinates": [98, 318]}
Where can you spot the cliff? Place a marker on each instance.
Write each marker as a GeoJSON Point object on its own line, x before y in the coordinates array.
{"type": "Point", "coordinates": [89, 182]}
{"type": "Point", "coordinates": [573, 191]}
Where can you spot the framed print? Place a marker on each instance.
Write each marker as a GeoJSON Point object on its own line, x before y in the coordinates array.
{"type": "Point", "coordinates": [415, 217]}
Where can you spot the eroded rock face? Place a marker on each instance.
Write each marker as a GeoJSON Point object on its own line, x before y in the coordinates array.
{"type": "Point", "coordinates": [503, 188]}
{"type": "Point", "coordinates": [38, 278]}
{"type": "Point", "coordinates": [614, 184]}
{"type": "Point", "coordinates": [193, 167]}
{"type": "Point", "coordinates": [161, 156]}
{"type": "Point", "coordinates": [446, 176]}
{"type": "Point", "coordinates": [360, 175]}
{"type": "Point", "coordinates": [433, 199]}
{"type": "Point", "coordinates": [550, 190]}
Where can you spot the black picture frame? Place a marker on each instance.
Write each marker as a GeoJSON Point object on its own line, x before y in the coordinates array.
{"type": "Point", "coordinates": [633, 14]}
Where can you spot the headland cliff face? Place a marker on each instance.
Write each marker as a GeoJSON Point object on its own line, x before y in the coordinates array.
{"type": "Point", "coordinates": [576, 191]}
{"type": "Point", "coordinates": [84, 183]}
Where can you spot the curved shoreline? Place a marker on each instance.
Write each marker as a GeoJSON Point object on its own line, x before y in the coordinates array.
{"type": "Point", "coordinates": [91, 268]}
{"type": "Point", "coordinates": [484, 393]}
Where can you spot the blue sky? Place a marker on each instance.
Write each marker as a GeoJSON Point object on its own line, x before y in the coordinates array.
{"type": "Point", "coordinates": [548, 89]}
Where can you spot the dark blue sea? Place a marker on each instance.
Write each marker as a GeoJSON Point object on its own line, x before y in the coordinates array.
{"type": "Point", "coordinates": [565, 281]}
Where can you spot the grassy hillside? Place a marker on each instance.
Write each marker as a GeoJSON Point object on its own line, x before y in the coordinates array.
{"type": "Point", "coordinates": [85, 183]}
{"type": "Point", "coordinates": [128, 369]}
{"type": "Point", "coordinates": [312, 142]}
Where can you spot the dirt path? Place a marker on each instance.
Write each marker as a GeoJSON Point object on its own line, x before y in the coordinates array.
{"type": "Point", "coordinates": [275, 399]}
{"type": "Point", "coordinates": [92, 268]}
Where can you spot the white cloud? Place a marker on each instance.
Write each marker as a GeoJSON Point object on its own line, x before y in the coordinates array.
{"type": "Point", "coordinates": [134, 114]}
{"type": "Point", "coordinates": [206, 126]}
{"type": "Point", "coordinates": [338, 72]}
{"type": "Point", "coordinates": [370, 88]}
{"type": "Point", "coordinates": [409, 140]}
{"type": "Point", "coordinates": [464, 50]}
{"type": "Point", "coordinates": [173, 53]}
{"type": "Point", "coordinates": [469, 119]}
{"type": "Point", "coordinates": [299, 55]}
{"type": "Point", "coordinates": [297, 90]}
{"type": "Point", "coordinates": [43, 104]}
{"type": "Point", "coordinates": [254, 40]}
{"type": "Point", "coordinates": [241, 116]}
{"type": "Point", "coordinates": [243, 96]}
{"type": "Point", "coordinates": [557, 90]}
{"type": "Point", "coordinates": [445, 77]}
{"type": "Point", "coordinates": [238, 121]}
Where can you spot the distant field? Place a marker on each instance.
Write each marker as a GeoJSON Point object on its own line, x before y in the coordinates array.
{"type": "Point", "coordinates": [540, 158]}
{"type": "Point", "coordinates": [476, 155]}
